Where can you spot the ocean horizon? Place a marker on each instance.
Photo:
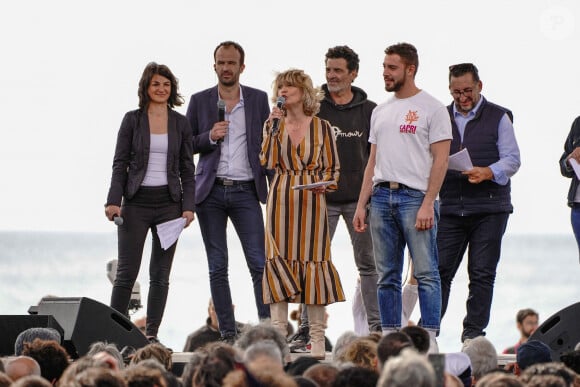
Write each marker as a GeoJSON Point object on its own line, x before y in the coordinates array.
{"type": "Point", "coordinates": [535, 271]}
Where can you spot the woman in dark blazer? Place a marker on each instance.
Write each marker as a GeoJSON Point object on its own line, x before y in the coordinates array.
{"type": "Point", "coordinates": [153, 182]}
{"type": "Point", "coordinates": [572, 151]}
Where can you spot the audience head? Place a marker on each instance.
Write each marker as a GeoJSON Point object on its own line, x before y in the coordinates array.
{"type": "Point", "coordinates": [155, 351]}
{"type": "Point", "coordinates": [263, 355]}
{"type": "Point", "coordinates": [419, 336]}
{"type": "Point", "coordinates": [527, 321]}
{"type": "Point", "coordinates": [28, 336]}
{"type": "Point", "coordinates": [356, 376]}
{"type": "Point", "coordinates": [407, 369]}
{"type": "Point", "coordinates": [78, 366]}
{"type": "Point", "coordinates": [301, 381]}
{"type": "Point", "coordinates": [572, 360]}
{"type": "Point", "coordinates": [139, 375]}
{"type": "Point", "coordinates": [301, 364]}
{"type": "Point", "coordinates": [450, 380]}
{"type": "Point", "coordinates": [391, 345]}
{"type": "Point", "coordinates": [260, 332]}
{"type": "Point", "coordinates": [216, 361]}
{"type": "Point", "coordinates": [97, 349]}
{"type": "Point", "coordinates": [362, 352]}
{"type": "Point", "coordinates": [31, 381]}
{"type": "Point", "coordinates": [342, 344]}
{"type": "Point", "coordinates": [482, 354]}
{"type": "Point", "coordinates": [499, 379]}
{"type": "Point", "coordinates": [50, 355]}
{"type": "Point", "coordinates": [97, 377]}
{"type": "Point", "coordinates": [323, 374]}
{"type": "Point", "coordinates": [195, 360]}
{"type": "Point", "coordinates": [551, 368]}
{"type": "Point", "coordinates": [459, 364]}
{"type": "Point", "coordinates": [21, 366]}
{"type": "Point", "coordinates": [546, 381]}
{"type": "Point", "coordinates": [532, 352]}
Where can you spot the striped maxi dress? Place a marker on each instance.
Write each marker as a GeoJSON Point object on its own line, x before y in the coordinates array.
{"type": "Point", "coordinates": [298, 266]}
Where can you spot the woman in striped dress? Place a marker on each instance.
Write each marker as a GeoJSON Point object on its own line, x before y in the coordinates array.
{"type": "Point", "coordinates": [303, 151]}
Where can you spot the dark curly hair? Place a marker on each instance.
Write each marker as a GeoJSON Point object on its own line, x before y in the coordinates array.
{"type": "Point", "coordinates": [50, 355]}
{"type": "Point", "coordinates": [347, 54]}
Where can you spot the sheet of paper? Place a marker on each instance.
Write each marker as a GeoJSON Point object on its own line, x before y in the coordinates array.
{"type": "Point", "coordinates": [169, 231]}
{"type": "Point", "coordinates": [460, 161]}
{"type": "Point", "coordinates": [314, 185]}
{"type": "Point", "coordinates": [575, 166]}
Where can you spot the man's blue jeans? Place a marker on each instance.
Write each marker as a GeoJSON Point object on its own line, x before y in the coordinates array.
{"type": "Point", "coordinates": [392, 220]}
{"type": "Point", "coordinates": [240, 204]}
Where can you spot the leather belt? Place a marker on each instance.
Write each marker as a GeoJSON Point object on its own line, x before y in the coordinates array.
{"type": "Point", "coordinates": [391, 185]}
{"type": "Point", "coordinates": [230, 182]}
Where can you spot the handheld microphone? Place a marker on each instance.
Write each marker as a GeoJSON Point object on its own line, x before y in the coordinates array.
{"type": "Point", "coordinates": [276, 121]}
{"type": "Point", "coordinates": [118, 220]}
{"type": "Point", "coordinates": [221, 114]}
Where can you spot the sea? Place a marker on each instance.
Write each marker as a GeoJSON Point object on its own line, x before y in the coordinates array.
{"type": "Point", "coordinates": [535, 271]}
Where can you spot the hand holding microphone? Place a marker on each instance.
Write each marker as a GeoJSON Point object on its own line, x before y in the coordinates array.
{"type": "Point", "coordinates": [276, 121]}
{"type": "Point", "coordinates": [118, 220]}
{"type": "Point", "coordinates": [113, 213]}
{"type": "Point", "coordinates": [221, 105]}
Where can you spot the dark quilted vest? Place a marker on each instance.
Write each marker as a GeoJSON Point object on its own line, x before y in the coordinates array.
{"type": "Point", "coordinates": [458, 196]}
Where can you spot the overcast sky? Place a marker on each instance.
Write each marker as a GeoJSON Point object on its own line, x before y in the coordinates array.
{"type": "Point", "coordinates": [70, 71]}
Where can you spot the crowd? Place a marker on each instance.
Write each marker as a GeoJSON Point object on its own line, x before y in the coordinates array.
{"type": "Point", "coordinates": [261, 357]}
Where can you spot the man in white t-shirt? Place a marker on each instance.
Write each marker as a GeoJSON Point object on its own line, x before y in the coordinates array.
{"type": "Point", "coordinates": [410, 138]}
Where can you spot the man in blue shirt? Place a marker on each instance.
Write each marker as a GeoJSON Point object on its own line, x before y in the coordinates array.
{"type": "Point", "coordinates": [476, 204]}
{"type": "Point", "coordinates": [230, 183]}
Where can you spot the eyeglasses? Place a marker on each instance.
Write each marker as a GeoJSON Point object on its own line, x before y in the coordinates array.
{"type": "Point", "coordinates": [458, 93]}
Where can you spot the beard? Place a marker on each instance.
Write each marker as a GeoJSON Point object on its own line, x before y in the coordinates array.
{"type": "Point", "coordinates": [336, 87]}
{"type": "Point", "coordinates": [397, 85]}
{"type": "Point", "coordinates": [230, 81]}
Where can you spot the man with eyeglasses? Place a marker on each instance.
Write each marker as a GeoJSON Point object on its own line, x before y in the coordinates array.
{"type": "Point", "coordinates": [476, 204]}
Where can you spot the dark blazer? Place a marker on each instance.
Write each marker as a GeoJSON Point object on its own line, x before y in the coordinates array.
{"type": "Point", "coordinates": [202, 114]}
{"type": "Point", "coordinates": [572, 141]}
{"type": "Point", "coordinates": [132, 157]}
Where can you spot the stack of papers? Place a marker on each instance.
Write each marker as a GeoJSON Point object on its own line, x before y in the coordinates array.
{"type": "Point", "coordinates": [460, 161]}
{"type": "Point", "coordinates": [314, 185]}
{"type": "Point", "coordinates": [169, 231]}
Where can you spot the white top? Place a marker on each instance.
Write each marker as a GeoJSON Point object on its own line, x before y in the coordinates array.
{"type": "Point", "coordinates": [156, 174]}
{"type": "Point", "coordinates": [403, 130]}
{"type": "Point", "coordinates": [234, 161]}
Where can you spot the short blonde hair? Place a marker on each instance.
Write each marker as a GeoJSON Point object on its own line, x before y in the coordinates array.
{"type": "Point", "coordinates": [311, 96]}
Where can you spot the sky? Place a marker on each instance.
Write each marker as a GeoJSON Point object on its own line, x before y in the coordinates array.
{"type": "Point", "coordinates": [71, 69]}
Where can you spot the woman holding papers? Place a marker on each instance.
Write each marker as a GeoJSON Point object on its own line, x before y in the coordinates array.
{"type": "Point", "coordinates": [152, 183]}
{"type": "Point", "coordinates": [569, 166]}
{"type": "Point", "coordinates": [301, 149]}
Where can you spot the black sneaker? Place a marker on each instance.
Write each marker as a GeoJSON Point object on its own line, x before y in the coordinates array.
{"type": "Point", "coordinates": [298, 343]}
